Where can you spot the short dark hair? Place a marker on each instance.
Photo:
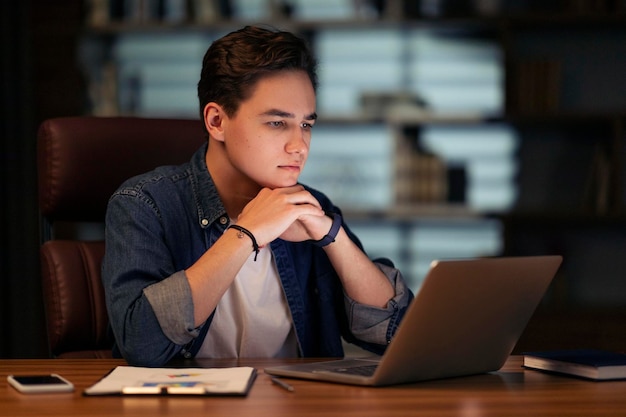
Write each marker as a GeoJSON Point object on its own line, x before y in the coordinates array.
{"type": "Point", "coordinates": [234, 64]}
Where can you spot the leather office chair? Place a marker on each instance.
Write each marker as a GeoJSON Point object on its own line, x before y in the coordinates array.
{"type": "Point", "coordinates": [81, 161]}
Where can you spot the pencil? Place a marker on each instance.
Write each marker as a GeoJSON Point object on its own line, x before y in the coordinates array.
{"type": "Point", "coordinates": [282, 384]}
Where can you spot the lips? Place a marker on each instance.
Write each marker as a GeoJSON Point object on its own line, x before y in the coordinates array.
{"type": "Point", "coordinates": [294, 168]}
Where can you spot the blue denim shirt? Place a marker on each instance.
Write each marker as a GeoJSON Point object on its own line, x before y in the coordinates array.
{"type": "Point", "coordinates": [159, 223]}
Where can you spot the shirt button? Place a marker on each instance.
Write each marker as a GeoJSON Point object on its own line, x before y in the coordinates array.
{"type": "Point", "coordinates": [204, 222]}
{"type": "Point", "coordinates": [223, 220]}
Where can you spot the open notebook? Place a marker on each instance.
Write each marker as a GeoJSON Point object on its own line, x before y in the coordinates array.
{"type": "Point", "coordinates": [133, 380]}
{"type": "Point", "coordinates": [465, 319]}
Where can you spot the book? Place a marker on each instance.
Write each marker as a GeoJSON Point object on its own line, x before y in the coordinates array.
{"type": "Point", "coordinates": [131, 380]}
{"type": "Point", "coordinates": [586, 363]}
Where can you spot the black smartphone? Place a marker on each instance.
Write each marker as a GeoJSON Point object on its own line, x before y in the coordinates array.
{"type": "Point", "coordinates": [36, 384]}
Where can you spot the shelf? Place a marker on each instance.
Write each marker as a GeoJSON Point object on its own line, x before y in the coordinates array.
{"type": "Point", "coordinates": [569, 20]}
{"type": "Point", "coordinates": [419, 117]}
{"type": "Point", "coordinates": [425, 118]}
{"type": "Point", "coordinates": [434, 211]}
{"type": "Point", "coordinates": [559, 117]}
{"type": "Point", "coordinates": [505, 22]}
{"type": "Point", "coordinates": [557, 219]}
{"type": "Point", "coordinates": [119, 27]}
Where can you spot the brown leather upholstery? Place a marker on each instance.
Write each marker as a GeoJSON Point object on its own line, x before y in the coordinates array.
{"type": "Point", "coordinates": [74, 297]}
{"type": "Point", "coordinates": [81, 161]}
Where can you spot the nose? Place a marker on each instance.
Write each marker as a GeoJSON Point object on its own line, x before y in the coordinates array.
{"type": "Point", "coordinates": [298, 142]}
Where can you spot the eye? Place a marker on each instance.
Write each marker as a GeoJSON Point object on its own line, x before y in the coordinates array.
{"type": "Point", "coordinates": [276, 123]}
{"type": "Point", "coordinates": [306, 125]}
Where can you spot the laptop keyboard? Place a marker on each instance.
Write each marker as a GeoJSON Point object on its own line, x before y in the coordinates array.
{"type": "Point", "coordinates": [364, 370]}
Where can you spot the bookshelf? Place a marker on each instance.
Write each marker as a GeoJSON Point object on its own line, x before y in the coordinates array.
{"type": "Point", "coordinates": [539, 45]}
{"type": "Point", "coordinates": [563, 97]}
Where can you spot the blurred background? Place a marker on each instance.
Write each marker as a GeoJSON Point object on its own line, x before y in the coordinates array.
{"type": "Point", "coordinates": [447, 129]}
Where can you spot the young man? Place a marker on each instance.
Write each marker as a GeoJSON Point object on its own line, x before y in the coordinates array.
{"type": "Point", "coordinates": [228, 255]}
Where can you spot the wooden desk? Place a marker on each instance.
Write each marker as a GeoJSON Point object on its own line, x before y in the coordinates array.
{"type": "Point", "coordinates": [512, 391]}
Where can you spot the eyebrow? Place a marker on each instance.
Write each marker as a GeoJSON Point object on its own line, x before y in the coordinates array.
{"type": "Point", "coordinates": [281, 113]}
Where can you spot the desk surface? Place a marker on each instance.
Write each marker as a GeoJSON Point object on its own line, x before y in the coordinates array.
{"type": "Point", "coordinates": [512, 391]}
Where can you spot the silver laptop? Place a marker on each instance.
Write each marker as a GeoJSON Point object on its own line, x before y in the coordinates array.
{"type": "Point", "coordinates": [465, 320]}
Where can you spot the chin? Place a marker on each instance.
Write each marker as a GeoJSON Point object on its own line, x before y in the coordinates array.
{"type": "Point", "coordinates": [283, 184]}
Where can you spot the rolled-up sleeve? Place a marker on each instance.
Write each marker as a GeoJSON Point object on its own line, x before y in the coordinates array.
{"type": "Point", "coordinates": [173, 307]}
{"type": "Point", "coordinates": [378, 325]}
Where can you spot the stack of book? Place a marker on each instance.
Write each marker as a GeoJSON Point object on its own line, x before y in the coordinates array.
{"type": "Point", "coordinates": [103, 12]}
{"type": "Point", "coordinates": [420, 177]}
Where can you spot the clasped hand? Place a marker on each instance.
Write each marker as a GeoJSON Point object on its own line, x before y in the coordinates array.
{"type": "Point", "coordinates": [289, 213]}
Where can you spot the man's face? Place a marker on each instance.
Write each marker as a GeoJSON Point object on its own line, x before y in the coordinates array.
{"type": "Point", "coordinates": [268, 139]}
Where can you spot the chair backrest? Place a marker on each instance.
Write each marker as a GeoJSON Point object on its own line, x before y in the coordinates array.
{"type": "Point", "coordinates": [81, 161]}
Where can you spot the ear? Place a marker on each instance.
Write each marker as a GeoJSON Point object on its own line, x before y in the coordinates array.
{"type": "Point", "coordinates": [214, 120]}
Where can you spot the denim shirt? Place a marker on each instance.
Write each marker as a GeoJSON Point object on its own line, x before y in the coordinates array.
{"type": "Point", "coordinates": [159, 223]}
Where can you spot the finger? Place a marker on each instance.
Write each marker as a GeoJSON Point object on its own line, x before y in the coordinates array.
{"type": "Point", "coordinates": [304, 197]}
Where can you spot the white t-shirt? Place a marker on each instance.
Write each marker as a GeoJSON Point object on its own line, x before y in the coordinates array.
{"type": "Point", "coordinates": [252, 320]}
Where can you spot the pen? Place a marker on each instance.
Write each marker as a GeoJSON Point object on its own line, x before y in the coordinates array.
{"type": "Point", "coordinates": [282, 384]}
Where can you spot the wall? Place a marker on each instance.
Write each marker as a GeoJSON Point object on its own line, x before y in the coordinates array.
{"type": "Point", "coordinates": [39, 80]}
